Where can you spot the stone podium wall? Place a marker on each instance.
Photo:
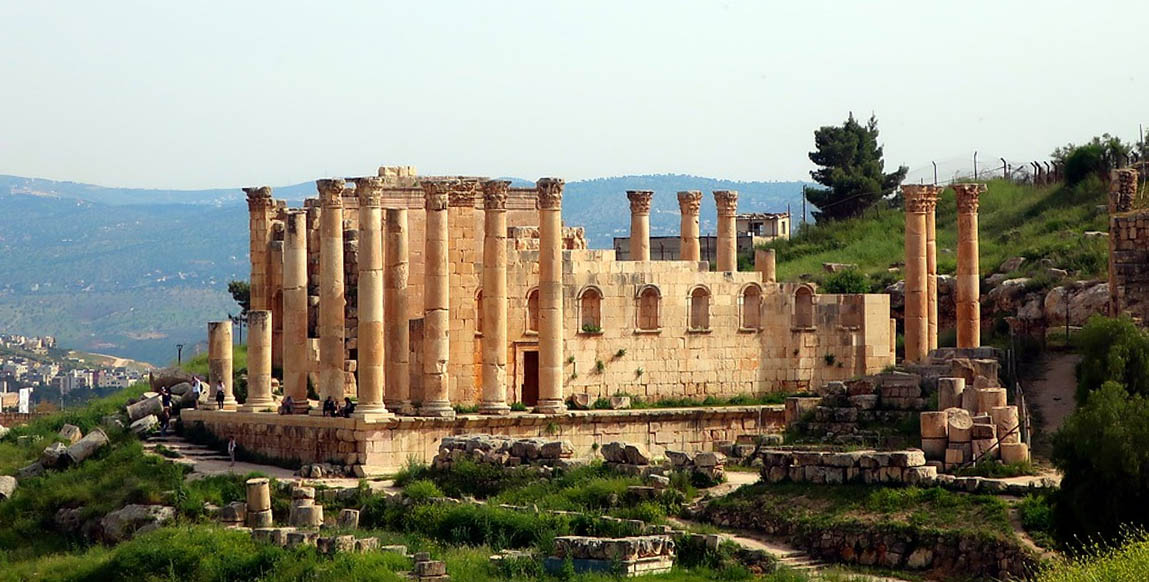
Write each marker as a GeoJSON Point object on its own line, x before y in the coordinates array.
{"type": "Point", "coordinates": [386, 446]}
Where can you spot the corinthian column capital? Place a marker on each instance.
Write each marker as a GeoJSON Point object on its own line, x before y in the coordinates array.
{"type": "Point", "coordinates": [495, 194]}
{"type": "Point", "coordinates": [462, 193]}
{"type": "Point", "coordinates": [967, 197]}
{"type": "Point", "coordinates": [331, 192]}
{"type": "Point", "coordinates": [689, 201]}
{"type": "Point", "coordinates": [369, 190]}
{"type": "Point", "coordinates": [436, 193]}
{"type": "Point", "coordinates": [550, 193]}
{"type": "Point", "coordinates": [640, 200]}
{"type": "Point", "coordinates": [727, 202]}
{"type": "Point", "coordinates": [259, 197]}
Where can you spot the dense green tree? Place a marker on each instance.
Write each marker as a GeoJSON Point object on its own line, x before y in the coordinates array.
{"type": "Point", "coordinates": [848, 281]}
{"type": "Point", "coordinates": [852, 170]}
{"type": "Point", "coordinates": [1098, 157]}
{"type": "Point", "coordinates": [241, 292]}
{"type": "Point", "coordinates": [1112, 350]}
{"type": "Point", "coordinates": [1103, 453]}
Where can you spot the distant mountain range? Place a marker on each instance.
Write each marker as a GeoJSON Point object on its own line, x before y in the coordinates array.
{"type": "Point", "coordinates": [133, 272]}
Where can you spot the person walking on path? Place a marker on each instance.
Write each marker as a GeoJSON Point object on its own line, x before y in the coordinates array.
{"type": "Point", "coordinates": [231, 449]}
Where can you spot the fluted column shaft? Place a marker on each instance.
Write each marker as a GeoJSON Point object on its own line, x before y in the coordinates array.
{"type": "Point", "coordinates": [371, 352]}
{"type": "Point", "coordinates": [932, 270]}
{"type": "Point", "coordinates": [295, 352]}
{"type": "Point", "coordinates": [258, 362]}
{"type": "Point", "coordinates": [968, 277]}
{"type": "Point", "coordinates": [220, 370]}
{"type": "Point", "coordinates": [436, 301]}
{"type": "Point", "coordinates": [689, 203]}
{"type": "Point", "coordinates": [916, 304]}
{"type": "Point", "coordinates": [494, 342]}
{"type": "Point", "coordinates": [639, 224]}
{"type": "Point", "coordinates": [727, 202]}
{"type": "Point", "coordinates": [550, 192]}
{"type": "Point", "coordinates": [260, 207]}
{"type": "Point", "coordinates": [395, 316]}
{"type": "Point", "coordinates": [332, 301]}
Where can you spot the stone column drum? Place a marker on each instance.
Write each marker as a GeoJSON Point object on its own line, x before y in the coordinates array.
{"type": "Point", "coordinates": [494, 342]}
{"type": "Point", "coordinates": [931, 193]}
{"type": "Point", "coordinates": [639, 223]}
{"type": "Point", "coordinates": [968, 279]}
{"type": "Point", "coordinates": [258, 363]}
{"type": "Point", "coordinates": [550, 297]}
{"type": "Point", "coordinates": [261, 208]}
{"type": "Point", "coordinates": [295, 357]}
{"type": "Point", "coordinates": [764, 263]}
{"type": "Point", "coordinates": [219, 348]}
{"type": "Point", "coordinates": [727, 202]}
{"type": "Point", "coordinates": [331, 299]}
{"type": "Point", "coordinates": [370, 358]}
{"type": "Point", "coordinates": [436, 302]}
{"type": "Point", "coordinates": [396, 325]}
{"type": "Point", "coordinates": [689, 202]}
{"type": "Point", "coordinates": [917, 307]}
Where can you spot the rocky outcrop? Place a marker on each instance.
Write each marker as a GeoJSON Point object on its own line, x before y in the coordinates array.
{"type": "Point", "coordinates": [70, 433]}
{"type": "Point", "coordinates": [124, 523]}
{"type": "Point", "coordinates": [831, 467]}
{"type": "Point", "coordinates": [503, 451]}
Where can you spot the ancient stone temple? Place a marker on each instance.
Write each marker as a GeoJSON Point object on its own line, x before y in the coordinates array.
{"type": "Point", "coordinates": [447, 305]}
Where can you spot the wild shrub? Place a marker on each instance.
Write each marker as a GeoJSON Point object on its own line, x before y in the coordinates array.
{"type": "Point", "coordinates": [1112, 350]}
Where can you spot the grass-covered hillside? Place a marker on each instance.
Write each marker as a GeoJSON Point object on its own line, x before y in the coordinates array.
{"type": "Point", "coordinates": [1035, 222]}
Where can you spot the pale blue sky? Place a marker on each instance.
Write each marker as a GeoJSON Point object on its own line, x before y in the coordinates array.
{"type": "Point", "coordinates": [205, 94]}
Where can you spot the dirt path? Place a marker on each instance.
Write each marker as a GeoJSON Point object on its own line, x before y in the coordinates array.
{"type": "Point", "coordinates": [1050, 396]}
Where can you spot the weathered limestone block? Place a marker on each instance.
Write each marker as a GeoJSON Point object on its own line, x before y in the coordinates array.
{"type": "Point", "coordinates": [234, 512]}
{"type": "Point", "coordinates": [985, 449]}
{"type": "Point", "coordinates": [990, 398]}
{"type": "Point", "coordinates": [7, 486]}
{"type": "Point", "coordinates": [935, 449]}
{"type": "Point", "coordinates": [310, 516]}
{"type": "Point", "coordinates": [145, 407]}
{"type": "Point", "coordinates": [122, 524]}
{"type": "Point", "coordinates": [144, 425]}
{"type": "Point", "coordinates": [34, 470]}
{"type": "Point", "coordinates": [1005, 418]}
{"type": "Point", "coordinates": [70, 433]}
{"type": "Point", "coordinates": [950, 392]}
{"type": "Point", "coordinates": [259, 519]}
{"type": "Point", "coordinates": [54, 455]}
{"type": "Point", "coordinates": [363, 545]}
{"type": "Point", "coordinates": [168, 377]}
{"type": "Point", "coordinates": [1014, 453]}
{"type": "Point", "coordinates": [619, 402]}
{"type": "Point", "coordinates": [983, 432]}
{"type": "Point", "coordinates": [958, 454]}
{"type": "Point", "coordinates": [87, 446]}
{"type": "Point", "coordinates": [258, 495]}
{"type": "Point", "coordinates": [303, 493]}
{"type": "Point", "coordinates": [301, 538]}
{"type": "Point", "coordinates": [920, 475]}
{"type": "Point", "coordinates": [935, 425]}
{"type": "Point", "coordinates": [959, 424]}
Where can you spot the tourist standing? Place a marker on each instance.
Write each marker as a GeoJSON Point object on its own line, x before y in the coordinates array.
{"type": "Point", "coordinates": [231, 449]}
{"type": "Point", "coordinates": [219, 395]}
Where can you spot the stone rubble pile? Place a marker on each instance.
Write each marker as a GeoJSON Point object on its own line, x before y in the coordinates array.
{"type": "Point", "coordinates": [428, 570]}
{"type": "Point", "coordinates": [322, 470]}
{"type": "Point", "coordinates": [887, 398]}
{"type": "Point", "coordinates": [504, 451]}
{"type": "Point", "coordinates": [908, 467]}
{"type": "Point", "coordinates": [972, 424]}
{"type": "Point", "coordinates": [304, 512]}
{"type": "Point", "coordinates": [77, 448]}
{"type": "Point", "coordinates": [711, 464]}
{"type": "Point", "coordinates": [627, 458]}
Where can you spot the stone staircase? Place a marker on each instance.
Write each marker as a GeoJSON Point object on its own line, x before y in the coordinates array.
{"type": "Point", "coordinates": [800, 561]}
{"type": "Point", "coordinates": [189, 453]}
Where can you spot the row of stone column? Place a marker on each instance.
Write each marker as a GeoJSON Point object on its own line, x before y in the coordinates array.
{"type": "Point", "coordinates": [384, 337]}
{"type": "Point", "coordinates": [921, 288]}
{"type": "Point", "coordinates": [689, 202]}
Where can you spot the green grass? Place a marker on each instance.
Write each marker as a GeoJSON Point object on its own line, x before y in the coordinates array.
{"type": "Point", "coordinates": [926, 510]}
{"type": "Point", "coordinates": [998, 470]}
{"type": "Point", "coordinates": [1034, 222]}
{"type": "Point", "coordinates": [1097, 563]}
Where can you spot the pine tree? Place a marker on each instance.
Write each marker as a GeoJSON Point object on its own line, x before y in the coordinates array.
{"type": "Point", "coordinates": [851, 169]}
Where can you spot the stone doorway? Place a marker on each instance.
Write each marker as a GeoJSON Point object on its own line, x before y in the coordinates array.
{"type": "Point", "coordinates": [529, 390]}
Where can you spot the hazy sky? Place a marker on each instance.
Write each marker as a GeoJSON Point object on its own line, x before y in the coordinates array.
{"type": "Point", "coordinates": [203, 94]}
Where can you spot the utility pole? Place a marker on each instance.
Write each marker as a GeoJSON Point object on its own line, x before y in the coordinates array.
{"type": "Point", "coordinates": [803, 206]}
{"type": "Point", "coordinates": [975, 165]}
{"type": "Point", "coordinates": [1004, 168]}
{"type": "Point", "coordinates": [179, 354]}
{"type": "Point", "coordinates": [935, 173]}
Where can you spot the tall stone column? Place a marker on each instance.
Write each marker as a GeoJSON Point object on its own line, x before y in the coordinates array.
{"type": "Point", "coordinates": [1122, 191]}
{"type": "Point", "coordinates": [494, 313]}
{"type": "Point", "coordinates": [550, 296]}
{"type": "Point", "coordinates": [219, 348]}
{"type": "Point", "coordinates": [689, 202]}
{"type": "Point", "coordinates": [968, 277]}
{"type": "Point", "coordinates": [639, 224]}
{"type": "Point", "coordinates": [917, 306]}
{"type": "Point", "coordinates": [931, 194]}
{"type": "Point", "coordinates": [261, 209]}
{"type": "Point", "coordinates": [331, 299]}
{"type": "Point", "coordinates": [395, 317]}
{"type": "Point", "coordinates": [295, 356]}
{"type": "Point", "coordinates": [370, 347]}
{"type": "Point", "coordinates": [436, 301]}
{"type": "Point", "coordinates": [727, 202]}
{"type": "Point", "coordinates": [258, 363]}
{"type": "Point", "coordinates": [764, 263]}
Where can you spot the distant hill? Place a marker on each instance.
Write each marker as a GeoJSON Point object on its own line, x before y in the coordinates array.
{"type": "Point", "coordinates": [133, 272]}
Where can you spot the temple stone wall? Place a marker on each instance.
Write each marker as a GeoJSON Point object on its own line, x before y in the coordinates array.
{"type": "Point", "coordinates": [386, 446]}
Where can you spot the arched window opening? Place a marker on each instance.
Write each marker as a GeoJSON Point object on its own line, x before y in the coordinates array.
{"type": "Point", "coordinates": [752, 307]}
{"type": "Point", "coordinates": [533, 311]}
{"type": "Point", "coordinates": [590, 311]}
{"type": "Point", "coordinates": [699, 309]}
{"type": "Point", "coordinates": [804, 307]}
{"type": "Point", "coordinates": [648, 309]}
